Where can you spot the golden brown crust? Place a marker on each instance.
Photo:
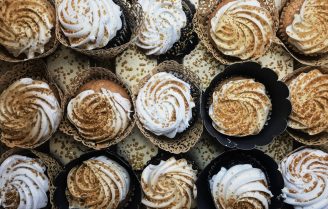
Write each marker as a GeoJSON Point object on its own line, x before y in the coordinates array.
{"type": "Point", "coordinates": [287, 15]}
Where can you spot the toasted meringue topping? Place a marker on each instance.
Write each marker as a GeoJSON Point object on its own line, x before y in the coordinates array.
{"type": "Point", "coordinates": [305, 175]}
{"type": "Point", "coordinates": [242, 29]}
{"type": "Point", "coordinates": [170, 185]}
{"type": "Point", "coordinates": [309, 30]}
{"type": "Point", "coordinates": [164, 105]}
{"type": "Point", "coordinates": [99, 116]}
{"type": "Point", "coordinates": [89, 24]}
{"type": "Point", "coordinates": [309, 98]}
{"type": "Point", "coordinates": [25, 26]}
{"type": "Point", "coordinates": [240, 108]}
{"type": "Point", "coordinates": [23, 183]}
{"type": "Point", "coordinates": [241, 186]}
{"type": "Point", "coordinates": [29, 113]}
{"type": "Point", "coordinates": [164, 20]}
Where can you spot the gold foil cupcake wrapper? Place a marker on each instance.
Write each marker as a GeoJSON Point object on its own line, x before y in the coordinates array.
{"type": "Point", "coordinates": [201, 21]}
{"type": "Point", "coordinates": [304, 138]}
{"type": "Point", "coordinates": [134, 18]}
{"type": "Point", "coordinates": [95, 73]}
{"type": "Point", "coordinates": [53, 167]}
{"type": "Point", "coordinates": [35, 69]}
{"type": "Point", "coordinates": [50, 47]}
{"type": "Point", "coordinates": [187, 139]}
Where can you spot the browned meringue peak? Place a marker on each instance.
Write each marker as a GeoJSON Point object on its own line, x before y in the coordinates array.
{"type": "Point", "coordinates": [25, 25]}
{"type": "Point", "coordinates": [309, 30]}
{"type": "Point", "coordinates": [240, 107]}
{"type": "Point", "coordinates": [99, 183]}
{"type": "Point", "coordinates": [309, 98]}
{"type": "Point", "coordinates": [242, 29]}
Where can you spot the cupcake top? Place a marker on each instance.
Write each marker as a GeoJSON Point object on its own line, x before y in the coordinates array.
{"type": "Point", "coordinates": [89, 24]}
{"type": "Point", "coordinates": [29, 113]}
{"type": "Point", "coordinates": [308, 31]}
{"type": "Point", "coordinates": [26, 26]}
{"type": "Point", "coordinates": [23, 183]}
{"type": "Point", "coordinates": [164, 105]}
{"type": "Point", "coordinates": [170, 184]}
{"type": "Point", "coordinates": [306, 179]}
{"type": "Point", "coordinates": [162, 26]}
{"type": "Point", "coordinates": [240, 107]}
{"type": "Point", "coordinates": [242, 28]}
{"type": "Point", "coordinates": [240, 186]}
{"type": "Point", "coordinates": [97, 183]}
{"type": "Point", "coordinates": [308, 96]}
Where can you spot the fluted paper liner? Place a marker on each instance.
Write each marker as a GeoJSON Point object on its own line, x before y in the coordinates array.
{"type": "Point", "coordinates": [35, 69]}
{"type": "Point", "coordinates": [53, 167]}
{"type": "Point", "coordinates": [95, 73]}
{"type": "Point", "coordinates": [133, 14]}
{"type": "Point", "coordinates": [318, 60]}
{"type": "Point", "coordinates": [182, 142]}
{"type": "Point", "coordinates": [202, 19]}
{"type": "Point", "coordinates": [49, 48]}
{"type": "Point", "coordinates": [302, 137]}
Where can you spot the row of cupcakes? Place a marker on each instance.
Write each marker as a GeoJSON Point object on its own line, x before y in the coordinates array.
{"type": "Point", "coordinates": [101, 179]}
{"type": "Point", "coordinates": [232, 31]}
{"type": "Point", "coordinates": [244, 106]}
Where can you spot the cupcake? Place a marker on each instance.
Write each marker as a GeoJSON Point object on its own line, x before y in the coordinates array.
{"type": "Point", "coordinates": [170, 184]}
{"type": "Point", "coordinates": [30, 113]}
{"type": "Point", "coordinates": [305, 176]}
{"type": "Point", "coordinates": [27, 29]}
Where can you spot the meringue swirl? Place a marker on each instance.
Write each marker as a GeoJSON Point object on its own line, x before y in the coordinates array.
{"type": "Point", "coordinates": [164, 105]}
{"type": "Point", "coordinates": [309, 29]}
{"type": "Point", "coordinates": [99, 116]}
{"type": "Point", "coordinates": [240, 108]}
{"type": "Point", "coordinates": [309, 99]}
{"type": "Point", "coordinates": [162, 26]}
{"type": "Point", "coordinates": [170, 184]}
{"type": "Point", "coordinates": [89, 24]}
{"type": "Point", "coordinates": [29, 113]}
{"type": "Point", "coordinates": [241, 186]}
{"type": "Point", "coordinates": [25, 26]}
{"type": "Point", "coordinates": [242, 29]}
{"type": "Point", "coordinates": [23, 183]}
{"type": "Point", "coordinates": [305, 175]}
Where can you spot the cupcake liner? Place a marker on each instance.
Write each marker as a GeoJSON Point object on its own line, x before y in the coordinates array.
{"type": "Point", "coordinates": [234, 157]}
{"type": "Point", "coordinates": [278, 93]}
{"type": "Point", "coordinates": [53, 167]}
{"type": "Point", "coordinates": [95, 73]}
{"type": "Point", "coordinates": [35, 69]}
{"type": "Point", "coordinates": [132, 19]}
{"type": "Point", "coordinates": [49, 48]}
{"type": "Point", "coordinates": [300, 136]}
{"type": "Point", "coordinates": [201, 21]}
{"type": "Point", "coordinates": [133, 199]}
{"type": "Point", "coordinates": [182, 142]}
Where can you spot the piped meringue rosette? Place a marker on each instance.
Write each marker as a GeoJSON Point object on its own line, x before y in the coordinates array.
{"type": "Point", "coordinates": [240, 107]}
{"type": "Point", "coordinates": [309, 98]}
{"type": "Point", "coordinates": [97, 183]}
{"type": "Point", "coordinates": [29, 113]}
{"type": "Point", "coordinates": [89, 24]}
{"type": "Point", "coordinates": [170, 184]}
{"type": "Point", "coordinates": [23, 183]}
{"type": "Point", "coordinates": [164, 105]}
{"type": "Point", "coordinates": [241, 186]}
{"type": "Point", "coordinates": [25, 26]}
{"type": "Point", "coordinates": [305, 174]}
{"type": "Point", "coordinates": [242, 28]}
{"type": "Point", "coordinates": [99, 116]}
{"type": "Point", "coordinates": [162, 25]}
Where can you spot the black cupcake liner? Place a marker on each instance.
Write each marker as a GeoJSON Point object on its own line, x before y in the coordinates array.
{"type": "Point", "coordinates": [278, 93]}
{"type": "Point", "coordinates": [132, 201]}
{"type": "Point", "coordinates": [234, 157]}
